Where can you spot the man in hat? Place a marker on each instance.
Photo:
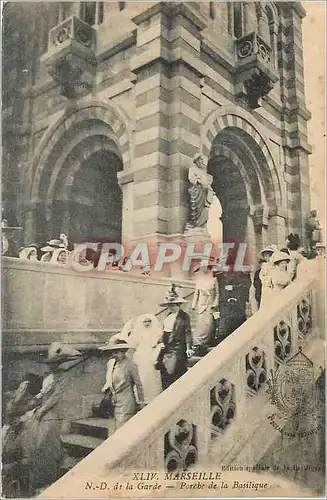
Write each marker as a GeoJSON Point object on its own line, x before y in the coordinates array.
{"type": "Point", "coordinates": [177, 340]}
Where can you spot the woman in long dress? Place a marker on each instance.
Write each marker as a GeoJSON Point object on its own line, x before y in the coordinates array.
{"type": "Point", "coordinates": [206, 302]}
{"type": "Point", "coordinates": [144, 338]}
{"type": "Point", "coordinates": [121, 378]}
{"type": "Point", "coordinates": [265, 275]}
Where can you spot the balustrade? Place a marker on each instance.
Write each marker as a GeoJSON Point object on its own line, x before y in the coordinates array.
{"type": "Point", "coordinates": [220, 404]}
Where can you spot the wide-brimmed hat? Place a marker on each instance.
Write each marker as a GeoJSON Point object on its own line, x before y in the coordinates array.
{"type": "Point", "coordinates": [320, 245]}
{"type": "Point", "coordinates": [115, 345]}
{"type": "Point", "coordinates": [279, 257]}
{"type": "Point", "coordinates": [52, 245]}
{"type": "Point", "coordinates": [268, 249]}
{"type": "Point", "coordinates": [60, 353]}
{"type": "Point", "coordinates": [172, 297]}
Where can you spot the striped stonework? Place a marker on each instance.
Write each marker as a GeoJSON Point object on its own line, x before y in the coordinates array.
{"type": "Point", "coordinates": [165, 87]}
{"type": "Point", "coordinates": [91, 113]}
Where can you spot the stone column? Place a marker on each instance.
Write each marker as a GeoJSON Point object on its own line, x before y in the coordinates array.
{"type": "Point", "coordinates": [126, 183]}
{"type": "Point", "coordinates": [151, 139]}
{"type": "Point", "coordinates": [185, 107]}
{"type": "Point", "coordinates": [277, 226]}
{"type": "Point", "coordinates": [33, 226]}
{"type": "Point", "coordinates": [295, 145]}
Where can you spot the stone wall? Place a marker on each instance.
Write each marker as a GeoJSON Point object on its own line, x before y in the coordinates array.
{"type": "Point", "coordinates": [43, 303]}
{"type": "Point", "coordinates": [167, 69]}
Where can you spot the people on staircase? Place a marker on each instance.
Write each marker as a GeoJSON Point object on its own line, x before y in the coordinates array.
{"type": "Point", "coordinates": [293, 244]}
{"type": "Point", "coordinates": [144, 338]}
{"type": "Point", "coordinates": [176, 338]}
{"type": "Point", "coordinates": [264, 292]}
{"type": "Point", "coordinates": [121, 378]}
{"type": "Point", "coordinates": [206, 303]}
{"type": "Point", "coordinates": [281, 275]}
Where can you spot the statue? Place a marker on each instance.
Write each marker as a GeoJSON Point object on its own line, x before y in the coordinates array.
{"type": "Point", "coordinates": [313, 229]}
{"type": "Point", "coordinates": [200, 194]}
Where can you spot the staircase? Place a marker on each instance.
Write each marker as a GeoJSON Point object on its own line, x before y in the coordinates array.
{"type": "Point", "coordinates": [88, 433]}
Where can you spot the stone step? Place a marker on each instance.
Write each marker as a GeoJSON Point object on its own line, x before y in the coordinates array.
{"type": "Point", "coordinates": [79, 446]}
{"type": "Point", "coordinates": [100, 428]}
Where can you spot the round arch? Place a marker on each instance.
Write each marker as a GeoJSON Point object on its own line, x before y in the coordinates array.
{"type": "Point", "coordinates": [229, 117]}
{"type": "Point", "coordinates": [106, 114]}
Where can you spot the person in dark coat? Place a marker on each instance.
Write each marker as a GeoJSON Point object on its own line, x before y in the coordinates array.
{"type": "Point", "coordinates": [176, 338]}
{"type": "Point", "coordinates": [43, 448]}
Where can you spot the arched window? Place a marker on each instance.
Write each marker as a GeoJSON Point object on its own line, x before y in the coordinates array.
{"type": "Point", "coordinates": [273, 30]}
{"type": "Point", "coordinates": [92, 12]}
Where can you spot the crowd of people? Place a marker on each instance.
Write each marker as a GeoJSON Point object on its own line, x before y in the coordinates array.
{"type": "Point", "coordinates": [56, 251]}
{"type": "Point", "coordinates": [160, 352]}
{"type": "Point", "coordinates": [143, 359]}
{"type": "Point", "coordinates": [278, 267]}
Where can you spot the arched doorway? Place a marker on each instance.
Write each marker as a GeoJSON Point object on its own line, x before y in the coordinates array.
{"type": "Point", "coordinates": [73, 185]}
{"type": "Point", "coordinates": [85, 200]}
{"type": "Point", "coordinates": [243, 185]}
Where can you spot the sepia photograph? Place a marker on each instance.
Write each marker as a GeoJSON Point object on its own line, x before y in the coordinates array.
{"type": "Point", "coordinates": [163, 249]}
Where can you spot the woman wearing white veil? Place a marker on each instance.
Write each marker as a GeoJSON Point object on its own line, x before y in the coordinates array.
{"type": "Point", "coordinates": [144, 339]}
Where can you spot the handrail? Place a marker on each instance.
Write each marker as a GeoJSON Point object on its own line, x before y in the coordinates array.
{"type": "Point", "coordinates": [140, 442]}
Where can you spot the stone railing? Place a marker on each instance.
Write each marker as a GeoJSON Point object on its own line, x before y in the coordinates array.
{"type": "Point", "coordinates": [219, 406]}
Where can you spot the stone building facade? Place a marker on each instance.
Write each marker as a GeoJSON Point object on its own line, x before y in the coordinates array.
{"type": "Point", "coordinates": [106, 103]}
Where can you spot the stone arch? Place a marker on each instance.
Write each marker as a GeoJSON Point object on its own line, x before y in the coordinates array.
{"type": "Point", "coordinates": [93, 137]}
{"type": "Point", "coordinates": [272, 12]}
{"type": "Point", "coordinates": [109, 115]}
{"type": "Point", "coordinates": [219, 120]}
{"type": "Point", "coordinates": [245, 179]}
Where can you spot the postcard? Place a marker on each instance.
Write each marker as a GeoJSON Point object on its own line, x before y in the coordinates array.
{"type": "Point", "coordinates": [163, 249]}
